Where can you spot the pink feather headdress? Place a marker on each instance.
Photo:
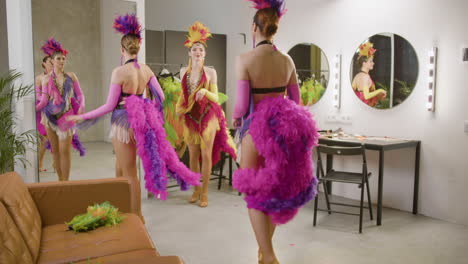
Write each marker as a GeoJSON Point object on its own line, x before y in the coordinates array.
{"type": "Point", "coordinates": [128, 24]}
{"type": "Point", "coordinates": [52, 46]}
{"type": "Point", "coordinates": [278, 5]}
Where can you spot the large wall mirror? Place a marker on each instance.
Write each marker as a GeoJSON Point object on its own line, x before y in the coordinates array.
{"type": "Point", "coordinates": [84, 29]}
{"type": "Point", "coordinates": [313, 71]}
{"type": "Point", "coordinates": [384, 70]}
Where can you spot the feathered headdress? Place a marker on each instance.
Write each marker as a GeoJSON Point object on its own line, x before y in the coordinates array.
{"type": "Point", "coordinates": [128, 24]}
{"type": "Point", "coordinates": [52, 46]}
{"type": "Point", "coordinates": [277, 5]}
{"type": "Point", "coordinates": [197, 33]}
{"type": "Point", "coordinates": [367, 49]}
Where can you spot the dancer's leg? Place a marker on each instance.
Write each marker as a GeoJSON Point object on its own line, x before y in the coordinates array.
{"type": "Point", "coordinates": [261, 223]}
{"type": "Point", "coordinates": [207, 164]}
{"type": "Point", "coordinates": [194, 155]}
{"type": "Point", "coordinates": [42, 149]}
{"type": "Point", "coordinates": [54, 144]}
{"type": "Point", "coordinates": [126, 157]}
{"type": "Point", "coordinates": [65, 157]}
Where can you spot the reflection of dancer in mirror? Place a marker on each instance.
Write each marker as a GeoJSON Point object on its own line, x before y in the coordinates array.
{"type": "Point", "coordinates": [128, 83]}
{"type": "Point", "coordinates": [61, 96]}
{"type": "Point", "coordinates": [277, 135]}
{"type": "Point", "coordinates": [362, 84]}
{"type": "Point", "coordinates": [205, 125]}
{"type": "Point", "coordinates": [48, 67]}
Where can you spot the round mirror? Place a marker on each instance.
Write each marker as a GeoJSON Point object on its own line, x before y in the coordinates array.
{"type": "Point", "coordinates": [384, 70]}
{"type": "Point", "coordinates": [312, 70]}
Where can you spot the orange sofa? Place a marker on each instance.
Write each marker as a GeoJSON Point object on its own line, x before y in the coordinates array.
{"type": "Point", "coordinates": [32, 228]}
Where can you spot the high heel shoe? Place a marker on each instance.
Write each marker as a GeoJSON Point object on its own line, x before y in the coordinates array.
{"type": "Point", "coordinates": [195, 196]}
{"type": "Point", "coordinates": [204, 200]}
{"type": "Point", "coordinates": [273, 262]}
{"type": "Point", "coordinates": [260, 257]}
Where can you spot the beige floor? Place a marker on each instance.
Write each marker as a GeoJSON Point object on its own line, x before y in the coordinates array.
{"type": "Point", "coordinates": [221, 233]}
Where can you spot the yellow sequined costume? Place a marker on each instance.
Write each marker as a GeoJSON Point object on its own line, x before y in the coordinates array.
{"type": "Point", "coordinates": [203, 118]}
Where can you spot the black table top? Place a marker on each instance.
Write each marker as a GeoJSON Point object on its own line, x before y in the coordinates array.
{"type": "Point", "coordinates": [370, 142]}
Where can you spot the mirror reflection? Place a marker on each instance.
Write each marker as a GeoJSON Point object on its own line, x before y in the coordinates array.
{"type": "Point", "coordinates": [73, 60]}
{"type": "Point", "coordinates": [384, 70]}
{"type": "Point", "coordinates": [313, 71]}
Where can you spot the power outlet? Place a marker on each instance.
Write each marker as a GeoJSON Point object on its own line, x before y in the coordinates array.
{"type": "Point", "coordinates": [332, 118]}
{"type": "Point", "coordinates": [346, 119]}
{"type": "Point", "coordinates": [466, 125]}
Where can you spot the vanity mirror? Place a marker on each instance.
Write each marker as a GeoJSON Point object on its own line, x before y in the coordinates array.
{"type": "Point", "coordinates": [313, 71]}
{"type": "Point", "coordinates": [384, 70]}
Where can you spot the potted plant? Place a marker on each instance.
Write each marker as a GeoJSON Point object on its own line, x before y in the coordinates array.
{"type": "Point", "coordinates": [13, 145]}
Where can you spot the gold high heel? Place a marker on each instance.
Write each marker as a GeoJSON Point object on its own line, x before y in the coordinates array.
{"type": "Point", "coordinates": [204, 200]}
{"type": "Point", "coordinates": [195, 196]}
{"type": "Point", "coordinates": [273, 262]}
{"type": "Point", "coordinates": [260, 257]}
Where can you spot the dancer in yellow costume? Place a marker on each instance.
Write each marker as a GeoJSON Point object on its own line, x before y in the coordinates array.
{"type": "Point", "coordinates": [363, 85]}
{"type": "Point", "coordinates": [205, 129]}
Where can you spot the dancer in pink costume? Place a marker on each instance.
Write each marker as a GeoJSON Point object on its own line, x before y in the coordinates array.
{"type": "Point", "coordinates": [277, 134]}
{"type": "Point", "coordinates": [137, 123]}
{"type": "Point", "coordinates": [60, 96]}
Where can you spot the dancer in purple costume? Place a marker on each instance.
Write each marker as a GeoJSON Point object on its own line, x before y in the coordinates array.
{"type": "Point", "coordinates": [277, 134]}
{"type": "Point", "coordinates": [137, 123]}
{"type": "Point", "coordinates": [60, 97]}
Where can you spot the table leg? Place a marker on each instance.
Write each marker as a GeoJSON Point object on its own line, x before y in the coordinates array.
{"type": "Point", "coordinates": [230, 171]}
{"type": "Point", "coordinates": [416, 179]}
{"type": "Point", "coordinates": [380, 188]}
{"type": "Point", "coordinates": [329, 167]}
{"type": "Point", "coordinates": [220, 177]}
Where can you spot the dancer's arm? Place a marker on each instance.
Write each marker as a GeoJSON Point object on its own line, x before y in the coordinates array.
{"type": "Point", "coordinates": [242, 99]}
{"type": "Point", "coordinates": [115, 90]}
{"type": "Point", "coordinates": [78, 92]}
{"type": "Point", "coordinates": [44, 98]}
{"type": "Point", "coordinates": [366, 84]}
{"type": "Point", "coordinates": [112, 99]}
{"type": "Point", "coordinates": [293, 90]}
{"type": "Point", "coordinates": [38, 86]}
{"type": "Point", "coordinates": [212, 92]}
{"type": "Point", "coordinates": [154, 86]}
{"type": "Point", "coordinates": [242, 94]}
{"type": "Point", "coordinates": [179, 109]}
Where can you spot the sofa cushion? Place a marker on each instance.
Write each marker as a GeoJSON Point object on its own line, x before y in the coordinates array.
{"type": "Point", "coordinates": [144, 256]}
{"type": "Point", "coordinates": [61, 246]}
{"type": "Point", "coordinates": [58, 202]}
{"type": "Point", "coordinates": [23, 211]}
{"type": "Point", "coordinates": [13, 249]}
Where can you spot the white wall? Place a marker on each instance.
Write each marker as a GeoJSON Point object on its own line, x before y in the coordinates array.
{"type": "Point", "coordinates": [339, 26]}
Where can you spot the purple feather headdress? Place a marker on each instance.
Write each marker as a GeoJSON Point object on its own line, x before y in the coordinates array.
{"type": "Point", "coordinates": [52, 46]}
{"type": "Point", "coordinates": [128, 24]}
{"type": "Point", "coordinates": [277, 5]}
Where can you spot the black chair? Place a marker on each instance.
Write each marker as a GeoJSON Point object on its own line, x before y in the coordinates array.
{"type": "Point", "coordinates": [359, 178]}
{"type": "Point", "coordinates": [218, 169]}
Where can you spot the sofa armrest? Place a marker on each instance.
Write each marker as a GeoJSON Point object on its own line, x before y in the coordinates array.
{"type": "Point", "coordinates": [59, 202]}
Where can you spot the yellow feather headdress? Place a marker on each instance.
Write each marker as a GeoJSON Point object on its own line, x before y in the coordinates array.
{"type": "Point", "coordinates": [367, 49]}
{"type": "Point", "coordinates": [198, 33]}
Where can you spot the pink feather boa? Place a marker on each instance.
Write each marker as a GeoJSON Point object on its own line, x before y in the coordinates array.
{"type": "Point", "coordinates": [158, 156]}
{"type": "Point", "coordinates": [284, 134]}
